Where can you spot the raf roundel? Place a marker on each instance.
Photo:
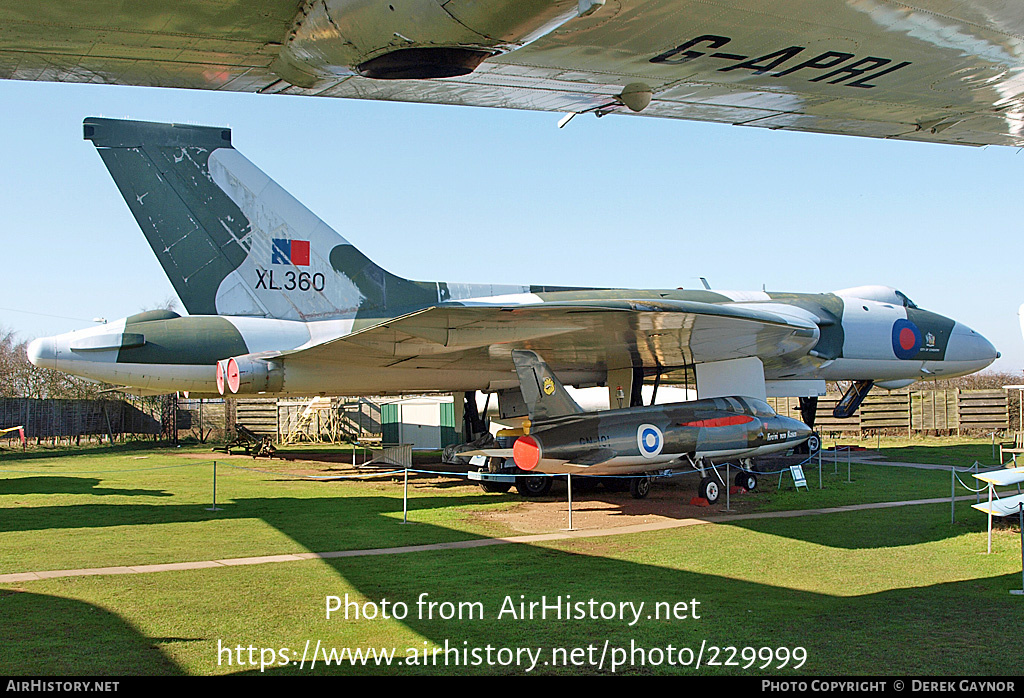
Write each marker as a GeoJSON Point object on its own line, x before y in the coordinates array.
{"type": "Point", "coordinates": [649, 440]}
{"type": "Point", "coordinates": [906, 339]}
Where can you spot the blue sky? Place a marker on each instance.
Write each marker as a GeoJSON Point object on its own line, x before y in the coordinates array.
{"type": "Point", "coordinates": [482, 195]}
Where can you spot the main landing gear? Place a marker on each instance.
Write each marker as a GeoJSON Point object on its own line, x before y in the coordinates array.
{"type": "Point", "coordinates": [746, 478]}
{"type": "Point", "coordinates": [533, 486]}
{"type": "Point", "coordinates": [712, 483]}
{"type": "Point", "coordinates": [747, 481]}
{"type": "Point", "coordinates": [640, 487]}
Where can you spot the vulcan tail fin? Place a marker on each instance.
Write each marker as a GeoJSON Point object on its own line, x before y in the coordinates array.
{"type": "Point", "coordinates": [231, 240]}
{"type": "Point", "coordinates": [544, 395]}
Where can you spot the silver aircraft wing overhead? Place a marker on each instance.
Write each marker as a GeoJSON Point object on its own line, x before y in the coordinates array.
{"type": "Point", "coordinates": [948, 71]}
{"type": "Point", "coordinates": [572, 336]}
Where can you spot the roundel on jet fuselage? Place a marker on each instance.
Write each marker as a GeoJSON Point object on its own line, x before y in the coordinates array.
{"type": "Point", "coordinates": [650, 440]}
{"type": "Point", "coordinates": [906, 339]}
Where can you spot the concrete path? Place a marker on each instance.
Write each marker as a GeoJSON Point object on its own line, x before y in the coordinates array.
{"type": "Point", "coordinates": [476, 543]}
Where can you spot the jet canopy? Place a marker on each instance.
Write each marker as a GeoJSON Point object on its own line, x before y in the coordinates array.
{"type": "Point", "coordinates": [882, 294]}
{"type": "Point", "coordinates": [744, 405]}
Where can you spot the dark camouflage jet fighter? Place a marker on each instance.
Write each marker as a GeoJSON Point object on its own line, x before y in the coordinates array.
{"type": "Point", "coordinates": [561, 438]}
{"type": "Point", "coordinates": [280, 303]}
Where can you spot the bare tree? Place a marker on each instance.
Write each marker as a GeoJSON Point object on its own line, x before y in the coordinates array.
{"type": "Point", "coordinates": [20, 378]}
{"type": "Point", "coordinates": [169, 303]}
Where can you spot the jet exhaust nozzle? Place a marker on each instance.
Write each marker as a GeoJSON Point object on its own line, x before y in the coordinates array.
{"type": "Point", "coordinates": [526, 452]}
{"type": "Point", "coordinates": [246, 374]}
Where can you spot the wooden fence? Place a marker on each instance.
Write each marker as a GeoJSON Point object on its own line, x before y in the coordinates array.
{"type": "Point", "coordinates": [940, 411]}
{"type": "Point", "coordinates": [349, 418]}
{"type": "Point", "coordinates": [74, 419]}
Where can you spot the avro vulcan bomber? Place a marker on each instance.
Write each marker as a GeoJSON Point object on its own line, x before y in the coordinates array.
{"type": "Point", "coordinates": [280, 303]}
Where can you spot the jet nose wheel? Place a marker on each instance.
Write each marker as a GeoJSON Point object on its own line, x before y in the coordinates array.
{"type": "Point", "coordinates": [813, 443]}
{"type": "Point", "coordinates": [640, 487]}
{"type": "Point", "coordinates": [709, 489]}
{"type": "Point", "coordinates": [747, 481]}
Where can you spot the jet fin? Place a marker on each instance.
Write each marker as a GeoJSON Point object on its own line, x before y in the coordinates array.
{"type": "Point", "coordinates": [231, 240]}
{"type": "Point", "coordinates": [544, 395]}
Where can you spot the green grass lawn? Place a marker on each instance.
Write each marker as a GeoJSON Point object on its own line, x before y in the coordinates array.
{"type": "Point", "coordinates": [869, 592]}
{"type": "Point", "coordinates": [150, 506]}
{"type": "Point", "coordinates": [960, 451]}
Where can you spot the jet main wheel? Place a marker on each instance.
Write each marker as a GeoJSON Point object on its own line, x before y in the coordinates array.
{"type": "Point", "coordinates": [640, 487]}
{"type": "Point", "coordinates": [495, 487]}
{"type": "Point", "coordinates": [709, 489]}
{"type": "Point", "coordinates": [747, 481]}
{"type": "Point", "coordinates": [533, 486]}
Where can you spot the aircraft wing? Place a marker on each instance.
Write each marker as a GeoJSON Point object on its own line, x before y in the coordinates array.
{"type": "Point", "coordinates": [947, 71]}
{"type": "Point", "coordinates": [586, 336]}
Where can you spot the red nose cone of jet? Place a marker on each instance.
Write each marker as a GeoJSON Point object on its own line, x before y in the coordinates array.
{"type": "Point", "coordinates": [526, 452]}
{"type": "Point", "coordinates": [232, 375]}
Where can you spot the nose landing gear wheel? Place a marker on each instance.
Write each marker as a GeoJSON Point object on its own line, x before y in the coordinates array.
{"type": "Point", "coordinates": [709, 489]}
{"type": "Point", "coordinates": [533, 486]}
{"type": "Point", "coordinates": [747, 481]}
{"type": "Point", "coordinates": [813, 443]}
{"type": "Point", "coordinates": [640, 487]}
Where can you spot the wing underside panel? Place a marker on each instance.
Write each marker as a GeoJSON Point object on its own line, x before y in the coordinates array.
{"type": "Point", "coordinates": [944, 71]}
{"type": "Point", "coordinates": [582, 337]}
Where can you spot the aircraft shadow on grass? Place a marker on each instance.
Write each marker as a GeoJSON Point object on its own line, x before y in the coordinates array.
{"type": "Point", "coordinates": [870, 632]}
{"type": "Point", "coordinates": [51, 635]}
{"type": "Point", "coordinates": [53, 484]}
{"type": "Point", "coordinates": [329, 523]}
{"type": "Point", "coordinates": [14, 455]}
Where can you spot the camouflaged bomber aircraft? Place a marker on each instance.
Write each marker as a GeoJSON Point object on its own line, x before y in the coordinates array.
{"type": "Point", "coordinates": [560, 437]}
{"type": "Point", "coordinates": [279, 303]}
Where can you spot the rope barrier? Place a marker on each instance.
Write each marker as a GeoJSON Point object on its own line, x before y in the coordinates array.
{"type": "Point", "coordinates": [440, 473]}
{"type": "Point", "coordinates": [967, 487]}
{"type": "Point", "coordinates": [322, 477]}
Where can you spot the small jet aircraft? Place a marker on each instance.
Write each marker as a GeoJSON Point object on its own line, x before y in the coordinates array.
{"type": "Point", "coordinates": [944, 71]}
{"type": "Point", "coordinates": [281, 304]}
{"type": "Point", "coordinates": [560, 437]}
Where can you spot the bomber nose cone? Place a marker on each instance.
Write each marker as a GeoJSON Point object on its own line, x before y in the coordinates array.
{"type": "Point", "coordinates": [970, 349]}
{"type": "Point", "coordinates": [40, 352]}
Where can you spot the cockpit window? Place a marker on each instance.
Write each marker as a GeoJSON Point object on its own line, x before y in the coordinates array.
{"type": "Point", "coordinates": [907, 303]}
{"type": "Point", "coordinates": [760, 407]}
{"type": "Point", "coordinates": [734, 405]}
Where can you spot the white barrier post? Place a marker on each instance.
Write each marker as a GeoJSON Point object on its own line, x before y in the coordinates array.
{"type": "Point", "coordinates": [405, 498]}
{"type": "Point", "coordinates": [728, 473]}
{"type": "Point", "coordinates": [819, 467]}
{"type": "Point", "coordinates": [214, 507]}
{"type": "Point", "coordinates": [991, 489]}
{"type": "Point", "coordinates": [952, 494]}
{"type": "Point", "coordinates": [1020, 513]}
{"type": "Point", "coordinates": [569, 482]}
